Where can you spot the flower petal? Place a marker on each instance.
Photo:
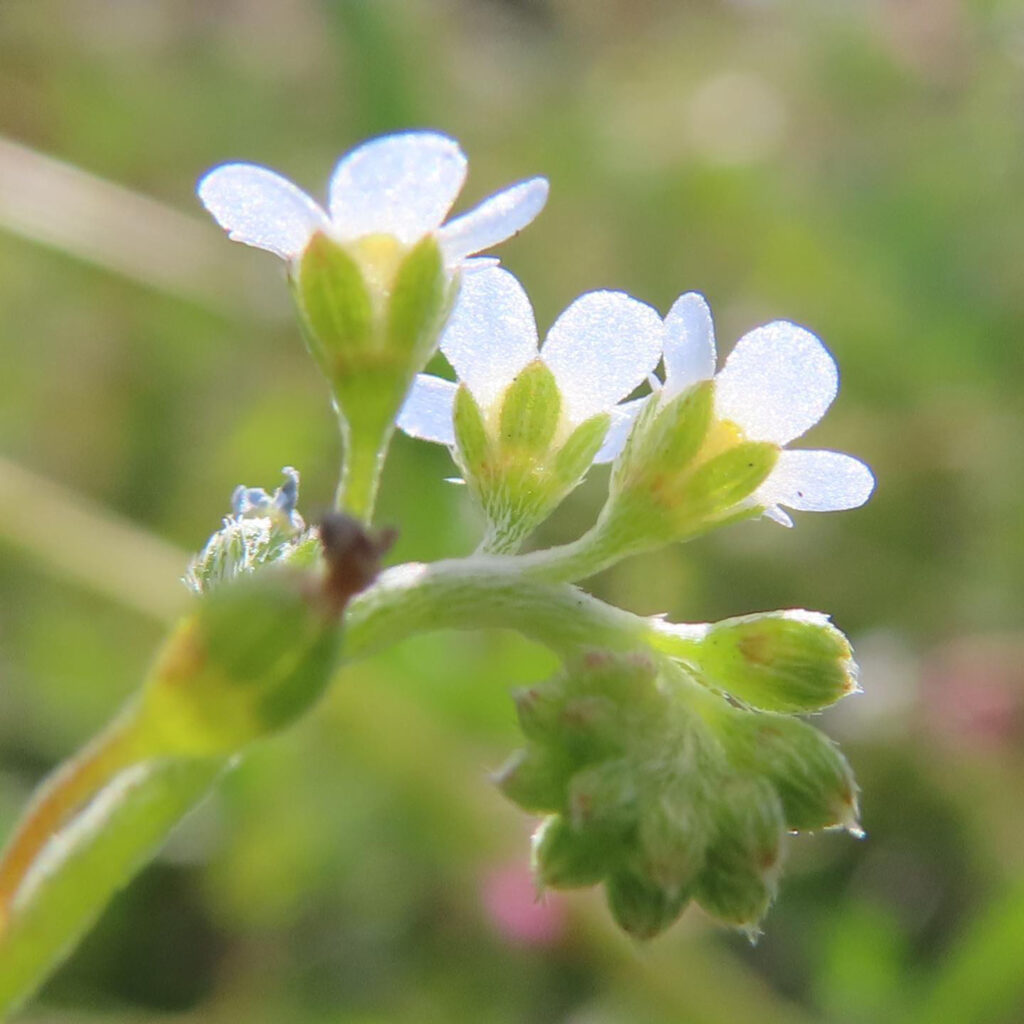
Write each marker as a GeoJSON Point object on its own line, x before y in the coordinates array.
{"type": "Point", "coordinates": [600, 349]}
{"type": "Point", "coordinates": [689, 343]}
{"type": "Point", "coordinates": [491, 334]}
{"type": "Point", "coordinates": [494, 220]}
{"type": "Point", "coordinates": [777, 382]}
{"type": "Point", "coordinates": [401, 185]}
{"type": "Point", "coordinates": [258, 207]}
{"type": "Point", "coordinates": [777, 515]}
{"type": "Point", "coordinates": [427, 413]}
{"type": "Point", "coordinates": [623, 418]}
{"type": "Point", "coordinates": [817, 481]}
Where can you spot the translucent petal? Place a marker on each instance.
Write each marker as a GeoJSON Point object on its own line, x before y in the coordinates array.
{"type": "Point", "coordinates": [777, 515]}
{"type": "Point", "coordinates": [777, 382]}
{"type": "Point", "coordinates": [258, 207]}
{"type": "Point", "coordinates": [401, 185]}
{"type": "Point", "coordinates": [600, 349]}
{"type": "Point", "coordinates": [478, 263]}
{"type": "Point", "coordinates": [491, 335]}
{"type": "Point", "coordinates": [494, 220]}
{"type": "Point", "coordinates": [623, 418]}
{"type": "Point", "coordinates": [427, 413]}
{"type": "Point", "coordinates": [817, 481]}
{"type": "Point", "coordinates": [689, 343]}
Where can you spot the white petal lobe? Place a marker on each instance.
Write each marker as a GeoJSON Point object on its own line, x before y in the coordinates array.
{"type": "Point", "coordinates": [623, 418]}
{"type": "Point", "coordinates": [427, 413]}
{"type": "Point", "coordinates": [689, 344]}
{"type": "Point", "coordinates": [601, 348]}
{"type": "Point", "coordinates": [817, 481]}
{"type": "Point", "coordinates": [494, 220]}
{"type": "Point", "coordinates": [777, 382]}
{"type": "Point", "coordinates": [260, 208]}
{"type": "Point", "coordinates": [402, 185]}
{"type": "Point", "coordinates": [491, 334]}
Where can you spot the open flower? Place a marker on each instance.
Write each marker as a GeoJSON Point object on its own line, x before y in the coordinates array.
{"type": "Point", "coordinates": [400, 186]}
{"type": "Point", "coordinates": [777, 383]}
{"type": "Point", "coordinates": [525, 422]}
{"type": "Point", "coordinates": [600, 348]}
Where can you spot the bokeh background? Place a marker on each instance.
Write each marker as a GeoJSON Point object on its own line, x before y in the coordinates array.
{"type": "Point", "coordinates": [854, 165]}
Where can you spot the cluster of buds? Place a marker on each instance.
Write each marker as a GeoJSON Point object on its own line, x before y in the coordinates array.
{"type": "Point", "coordinates": [665, 796]}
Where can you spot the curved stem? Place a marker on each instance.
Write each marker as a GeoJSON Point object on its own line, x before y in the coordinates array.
{"type": "Point", "coordinates": [482, 592]}
{"type": "Point", "coordinates": [60, 795]}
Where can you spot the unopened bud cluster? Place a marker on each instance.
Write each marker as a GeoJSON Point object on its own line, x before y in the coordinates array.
{"type": "Point", "coordinates": [665, 798]}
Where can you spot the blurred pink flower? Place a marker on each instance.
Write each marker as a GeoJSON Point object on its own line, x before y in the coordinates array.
{"type": "Point", "coordinates": [973, 692]}
{"type": "Point", "coordinates": [521, 916]}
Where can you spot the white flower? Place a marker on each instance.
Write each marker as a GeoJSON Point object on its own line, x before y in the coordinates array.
{"type": "Point", "coordinates": [777, 382]}
{"type": "Point", "coordinates": [399, 185]}
{"type": "Point", "coordinates": [602, 347]}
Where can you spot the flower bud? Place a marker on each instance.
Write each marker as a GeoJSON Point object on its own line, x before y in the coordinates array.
{"type": "Point", "coordinates": [740, 876]}
{"type": "Point", "coordinates": [564, 857]}
{"type": "Point", "coordinates": [790, 661]}
{"type": "Point", "coordinates": [810, 774]}
{"type": "Point", "coordinates": [536, 779]}
{"type": "Point", "coordinates": [640, 907]}
{"type": "Point", "coordinates": [258, 651]}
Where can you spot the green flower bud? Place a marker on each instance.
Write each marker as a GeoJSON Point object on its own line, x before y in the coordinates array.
{"type": "Point", "coordinates": [640, 907]}
{"type": "Point", "coordinates": [740, 876]}
{"type": "Point", "coordinates": [673, 837]}
{"type": "Point", "coordinates": [536, 779]}
{"type": "Point", "coordinates": [810, 774]}
{"type": "Point", "coordinates": [790, 661]}
{"type": "Point", "coordinates": [564, 857]}
{"type": "Point", "coordinates": [258, 651]}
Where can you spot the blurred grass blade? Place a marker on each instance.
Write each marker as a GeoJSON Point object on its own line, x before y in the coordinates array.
{"type": "Point", "coordinates": [109, 226]}
{"type": "Point", "coordinates": [89, 544]}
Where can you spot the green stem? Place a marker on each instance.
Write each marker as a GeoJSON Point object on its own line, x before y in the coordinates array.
{"type": "Point", "coordinates": [362, 465]}
{"type": "Point", "coordinates": [75, 782]}
{"type": "Point", "coordinates": [484, 592]}
{"type": "Point", "coordinates": [74, 880]}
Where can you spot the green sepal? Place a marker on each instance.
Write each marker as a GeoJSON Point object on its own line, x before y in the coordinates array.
{"type": "Point", "coordinates": [666, 437]}
{"type": "Point", "coordinates": [790, 662]}
{"type": "Point", "coordinates": [577, 453]}
{"type": "Point", "coordinates": [564, 857]}
{"type": "Point", "coordinates": [473, 445]}
{"type": "Point", "coordinates": [334, 305]}
{"type": "Point", "coordinates": [640, 907]}
{"type": "Point", "coordinates": [529, 413]}
{"type": "Point", "coordinates": [726, 479]}
{"type": "Point", "coordinates": [420, 300]}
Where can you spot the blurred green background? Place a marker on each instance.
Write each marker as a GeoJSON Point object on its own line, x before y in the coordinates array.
{"type": "Point", "coordinates": [855, 166]}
